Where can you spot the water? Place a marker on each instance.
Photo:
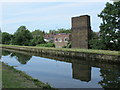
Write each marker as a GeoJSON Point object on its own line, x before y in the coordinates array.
{"type": "Point", "coordinates": [64, 72]}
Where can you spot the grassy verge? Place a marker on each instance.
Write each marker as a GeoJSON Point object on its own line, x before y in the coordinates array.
{"type": "Point", "coordinates": [46, 45]}
{"type": "Point", "coordinates": [107, 52]}
{"type": "Point", "coordinates": [13, 78]}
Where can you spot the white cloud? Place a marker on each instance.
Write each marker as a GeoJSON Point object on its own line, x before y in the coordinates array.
{"type": "Point", "coordinates": [46, 9]}
{"type": "Point", "coordinates": [53, 0]}
{"type": "Point", "coordinates": [18, 17]}
{"type": "Point", "coordinates": [32, 19]}
{"type": "Point", "coordinates": [47, 17]}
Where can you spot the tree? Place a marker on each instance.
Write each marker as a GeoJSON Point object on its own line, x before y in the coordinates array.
{"type": "Point", "coordinates": [37, 33]}
{"type": "Point", "coordinates": [22, 36]}
{"type": "Point", "coordinates": [61, 30]}
{"type": "Point", "coordinates": [95, 42]}
{"type": "Point", "coordinates": [37, 38]}
{"type": "Point", "coordinates": [110, 26]}
{"type": "Point", "coordinates": [6, 38]}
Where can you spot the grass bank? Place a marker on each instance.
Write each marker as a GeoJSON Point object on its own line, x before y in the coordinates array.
{"type": "Point", "coordinates": [86, 54]}
{"type": "Point", "coordinates": [13, 78]}
{"type": "Point", "coordinates": [106, 52]}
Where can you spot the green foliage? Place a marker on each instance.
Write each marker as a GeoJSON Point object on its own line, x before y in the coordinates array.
{"type": "Point", "coordinates": [46, 45]}
{"type": "Point", "coordinates": [6, 38]}
{"type": "Point", "coordinates": [110, 27]}
{"type": "Point", "coordinates": [62, 30]}
{"type": "Point", "coordinates": [96, 44]}
{"type": "Point", "coordinates": [37, 33]}
{"type": "Point", "coordinates": [37, 38]}
{"type": "Point", "coordinates": [22, 36]}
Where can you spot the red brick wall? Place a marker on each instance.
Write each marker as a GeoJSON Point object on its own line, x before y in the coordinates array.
{"type": "Point", "coordinates": [59, 40]}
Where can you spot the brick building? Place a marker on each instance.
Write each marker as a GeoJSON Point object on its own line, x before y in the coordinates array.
{"type": "Point", "coordinates": [49, 37]}
{"type": "Point", "coordinates": [61, 39]}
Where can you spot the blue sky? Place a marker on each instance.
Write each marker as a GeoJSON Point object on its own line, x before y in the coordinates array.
{"type": "Point", "coordinates": [48, 15]}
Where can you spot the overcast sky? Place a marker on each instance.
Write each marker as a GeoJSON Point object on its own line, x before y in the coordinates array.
{"type": "Point", "coordinates": [47, 15]}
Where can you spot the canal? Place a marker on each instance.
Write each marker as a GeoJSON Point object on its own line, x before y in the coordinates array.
{"type": "Point", "coordinates": [64, 72]}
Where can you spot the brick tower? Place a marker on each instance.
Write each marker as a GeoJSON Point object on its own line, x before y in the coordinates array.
{"type": "Point", "coordinates": [81, 30]}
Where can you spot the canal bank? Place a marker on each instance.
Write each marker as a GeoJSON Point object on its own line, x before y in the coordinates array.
{"type": "Point", "coordinates": [94, 55]}
{"type": "Point", "coordinates": [61, 72]}
{"type": "Point", "coordinates": [18, 79]}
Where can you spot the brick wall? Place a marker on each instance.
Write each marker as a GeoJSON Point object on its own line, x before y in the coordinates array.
{"type": "Point", "coordinates": [81, 30]}
{"type": "Point", "coordinates": [61, 40]}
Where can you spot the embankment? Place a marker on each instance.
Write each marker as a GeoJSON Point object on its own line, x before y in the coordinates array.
{"type": "Point", "coordinates": [94, 55]}
{"type": "Point", "coordinates": [13, 78]}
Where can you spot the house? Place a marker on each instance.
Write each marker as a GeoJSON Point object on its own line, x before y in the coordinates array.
{"type": "Point", "coordinates": [49, 37]}
{"type": "Point", "coordinates": [61, 39]}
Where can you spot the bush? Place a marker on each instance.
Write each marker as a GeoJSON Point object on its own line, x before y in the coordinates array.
{"type": "Point", "coordinates": [46, 45]}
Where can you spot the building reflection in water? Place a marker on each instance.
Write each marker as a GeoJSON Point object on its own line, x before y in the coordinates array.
{"type": "Point", "coordinates": [81, 72]}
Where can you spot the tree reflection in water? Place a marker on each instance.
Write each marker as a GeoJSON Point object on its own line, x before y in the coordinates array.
{"type": "Point", "coordinates": [22, 58]}
{"type": "Point", "coordinates": [111, 78]}
{"type": "Point", "coordinates": [5, 53]}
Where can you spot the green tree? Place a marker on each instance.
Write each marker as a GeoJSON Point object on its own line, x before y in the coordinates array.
{"type": "Point", "coordinates": [61, 30]}
{"type": "Point", "coordinates": [6, 38]}
{"type": "Point", "coordinates": [95, 42]}
{"type": "Point", "coordinates": [37, 33]}
{"type": "Point", "coordinates": [22, 36]}
{"type": "Point", "coordinates": [110, 26]}
{"type": "Point", "coordinates": [37, 38]}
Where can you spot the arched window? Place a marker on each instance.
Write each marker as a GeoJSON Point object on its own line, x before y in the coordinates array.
{"type": "Point", "coordinates": [56, 39]}
{"type": "Point", "coordinates": [66, 39]}
{"type": "Point", "coordinates": [60, 39]}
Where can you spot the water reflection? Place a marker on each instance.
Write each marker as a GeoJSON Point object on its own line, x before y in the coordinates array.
{"type": "Point", "coordinates": [81, 69]}
{"type": "Point", "coordinates": [5, 52]}
{"type": "Point", "coordinates": [111, 78]}
{"type": "Point", "coordinates": [81, 72]}
{"type": "Point", "coordinates": [22, 58]}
